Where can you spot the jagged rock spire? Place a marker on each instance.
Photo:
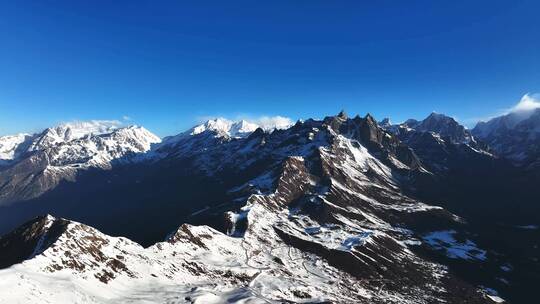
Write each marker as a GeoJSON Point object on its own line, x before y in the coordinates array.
{"type": "Point", "coordinates": [342, 114]}
{"type": "Point", "coordinates": [370, 118]}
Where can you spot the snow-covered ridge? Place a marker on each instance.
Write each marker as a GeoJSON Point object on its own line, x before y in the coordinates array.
{"type": "Point", "coordinates": [12, 146]}
{"type": "Point", "coordinates": [84, 142]}
{"type": "Point", "coordinates": [98, 150]}
{"type": "Point", "coordinates": [204, 135]}
{"type": "Point", "coordinates": [223, 127]}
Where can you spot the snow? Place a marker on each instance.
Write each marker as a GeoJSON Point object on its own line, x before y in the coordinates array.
{"type": "Point", "coordinates": [99, 140]}
{"type": "Point", "coordinates": [39, 246]}
{"type": "Point", "coordinates": [60, 152]}
{"type": "Point", "coordinates": [353, 241]}
{"type": "Point", "coordinates": [507, 268]}
{"type": "Point", "coordinates": [71, 131]}
{"type": "Point", "coordinates": [222, 126]}
{"type": "Point", "coordinates": [101, 150]}
{"type": "Point", "coordinates": [79, 129]}
{"type": "Point", "coordinates": [493, 295]}
{"type": "Point", "coordinates": [9, 145]}
{"type": "Point", "coordinates": [445, 240]}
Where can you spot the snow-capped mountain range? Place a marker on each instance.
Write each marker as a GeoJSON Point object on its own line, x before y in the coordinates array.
{"type": "Point", "coordinates": [333, 210]}
{"type": "Point", "coordinates": [57, 154]}
{"type": "Point", "coordinates": [37, 163]}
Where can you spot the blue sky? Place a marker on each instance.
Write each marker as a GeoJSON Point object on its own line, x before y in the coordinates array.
{"type": "Point", "coordinates": [167, 64]}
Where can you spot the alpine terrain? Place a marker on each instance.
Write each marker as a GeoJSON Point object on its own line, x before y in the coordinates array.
{"type": "Point", "coordinates": [338, 210]}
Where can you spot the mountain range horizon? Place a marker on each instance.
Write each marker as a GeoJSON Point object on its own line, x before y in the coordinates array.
{"type": "Point", "coordinates": [351, 184]}
{"type": "Point", "coordinates": [528, 103]}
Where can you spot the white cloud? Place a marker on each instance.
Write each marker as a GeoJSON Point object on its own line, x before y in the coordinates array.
{"type": "Point", "coordinates": [527, 103]}
{"type": "Point", "coordinates": [126, 118]}
{"type": "Point", "coordinates": [82, 128]}
{"type": "Point", "coordinates": [92, 123]}
{"type": "Point", "coordinates": [273, 122]}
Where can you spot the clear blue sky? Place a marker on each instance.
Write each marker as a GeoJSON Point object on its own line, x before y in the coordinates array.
{"type": "Point", "coordinates": [166, 64]}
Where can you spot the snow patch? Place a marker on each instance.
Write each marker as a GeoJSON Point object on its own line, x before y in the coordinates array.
{"type": "Point", "coordinates": [445, 240]}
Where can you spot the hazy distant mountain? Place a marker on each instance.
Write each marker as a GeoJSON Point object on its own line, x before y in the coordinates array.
{"type": "Point", "coordinates": [515, 136]}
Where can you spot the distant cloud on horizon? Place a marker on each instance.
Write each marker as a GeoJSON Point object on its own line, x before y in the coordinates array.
{"type": "Point", "coordinates": [527, 103]}
{"type": "Point", "coordinates": [269, 122]}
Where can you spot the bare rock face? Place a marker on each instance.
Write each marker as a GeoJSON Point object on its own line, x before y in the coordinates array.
{"type": "Point", "coordinates": [25, 242]}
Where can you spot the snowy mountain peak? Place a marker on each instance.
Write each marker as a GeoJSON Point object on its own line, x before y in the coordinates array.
{"type": "Point", "coordinates": [242, 128]}
{"type": "Point", "coordinates": [444, 126]}
{"type": "Point", "coordinates": [224, 127]}
{"type": "Point", "coordinates": [438, 116]}
{"type": "Point", "coordinates": [385, 122]}
{"type": "Point", "coordinates": [438, 121]}
{"type": "Point", "coordinates": [75, 132]}
{"type": "Point", "coordinates": [219, 125]}
{"type": "Point", "coordinates": [80, 129]}
{"type": "Point", "coordinates": [69, 131]}
{"type": "Point", "coordinates": [137, 136]}
{"type": "Point", "coordinates": [342, 114]}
